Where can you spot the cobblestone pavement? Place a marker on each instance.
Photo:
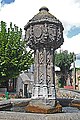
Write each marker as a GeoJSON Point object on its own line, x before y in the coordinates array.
{"type": "Point", "coordinates": [30, 116]}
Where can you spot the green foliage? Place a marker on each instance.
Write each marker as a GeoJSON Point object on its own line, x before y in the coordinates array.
{"type": "Point", "coordinates": [63, 60]}
{"type": "Point", "coordinates": [77, 69]}
{"type": "Point", "coordinates": [13, 54]}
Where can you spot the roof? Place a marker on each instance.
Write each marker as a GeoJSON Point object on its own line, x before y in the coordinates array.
{"type": "Point", "coordinates": [43, 16]}
{"type": "Point", "coordinates": [26, 77]}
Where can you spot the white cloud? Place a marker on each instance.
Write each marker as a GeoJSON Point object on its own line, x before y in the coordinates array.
{"type": "Point", "coordinates": [21, 11]}
{"type": "Point", "coordinates": [72, 44]}
{"type": "Point", "coordinates": [67, 11]}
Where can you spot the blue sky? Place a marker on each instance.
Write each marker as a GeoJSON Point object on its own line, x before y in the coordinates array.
{"type": "Point", "coordinates": [73, 31]}
{"type": "Point", "coordinates": [19, 12]}
{"type": "Point", "coordinates": [7, 1]}
{"type": "Point", "coordinates": [78, 60]}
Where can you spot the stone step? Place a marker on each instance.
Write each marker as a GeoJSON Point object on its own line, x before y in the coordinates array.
{"type": "Point", "coordinates": [5, 104]}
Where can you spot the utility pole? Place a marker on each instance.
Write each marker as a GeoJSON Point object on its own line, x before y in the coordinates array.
{"type": "Point", "coordinates": [74, 73]}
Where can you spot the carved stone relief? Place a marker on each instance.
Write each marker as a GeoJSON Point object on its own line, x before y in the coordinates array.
{"type": "Point", "coordinates": [41, 77]}
{"type": "Point", "coordinates": [52, 32]}
{"type": "Point", "coordinates": [48, 58]}
{"type": "Point", "coordinates": [48, 68]}
{"type": "Point", "coordinates": [41, 57]}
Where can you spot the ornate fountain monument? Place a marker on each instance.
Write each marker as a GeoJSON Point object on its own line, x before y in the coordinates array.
{"type": "Point", "coordinates": [44, 34]}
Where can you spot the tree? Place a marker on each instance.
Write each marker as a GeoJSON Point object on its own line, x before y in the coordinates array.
{"type": "Point", "coordinates": [63, 60]}
{"type": "Point", "coordinates": [14, 57]}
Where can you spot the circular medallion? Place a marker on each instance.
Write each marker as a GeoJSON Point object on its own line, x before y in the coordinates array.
{"type": "Point", "coordinates": [37, 31]}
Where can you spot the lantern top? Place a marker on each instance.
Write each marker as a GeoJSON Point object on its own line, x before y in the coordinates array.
{"type": "Point", "coordinates": [42, 17]}
{"type": "Point", "coordinates": [44, 8]}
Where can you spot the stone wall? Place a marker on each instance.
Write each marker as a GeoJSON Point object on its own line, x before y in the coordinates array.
{"type": "Point", "coordinates": [30, 116]}
{"type": "Point", "coordinates": [66, 93]}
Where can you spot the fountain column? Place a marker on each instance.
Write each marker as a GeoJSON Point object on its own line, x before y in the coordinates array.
{"type": "Point", "coordinates": [44, 34]}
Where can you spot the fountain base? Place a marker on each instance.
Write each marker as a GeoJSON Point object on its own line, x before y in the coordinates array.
{"type": "Point", "coordinates": [46, 106]}
{"type": "Point", "coordinates": [75, 103]}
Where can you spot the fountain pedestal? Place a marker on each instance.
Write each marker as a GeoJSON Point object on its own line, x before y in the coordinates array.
{"type": "Point", "coordinates": [44, 34]}
{"type": "Point", "coordinates": [43, 106]}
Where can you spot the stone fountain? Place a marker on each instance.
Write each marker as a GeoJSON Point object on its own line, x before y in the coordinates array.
{"type": "Point", "coordinates": [44, 34]}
